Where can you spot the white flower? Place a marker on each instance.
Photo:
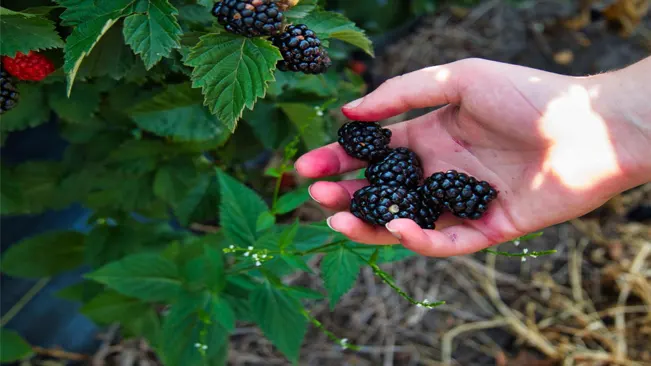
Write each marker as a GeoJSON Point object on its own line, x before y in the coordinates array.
{"type": "Point", "coordinates": [516, 242]}
{"type": "Point", "coordinates": [197, 345]}
{"type": "Point", "coordinates": [232, 246]}
{"type": "Point", "coordinates": [250, 248]}
{"type": "Point", "coordinates": [258, 263]}
{"type": "Point", "coordinates": [344, 343]}
{"type": "Point", "coordinates": [524, 259]}
{"type": "Point", "coordinates": [247, 254]}
{"type": "Point", "coordinates": [525, 250]}
{"type": "Point", "coordinates": [204, 347]}
{"type": "Point", "coordinates": [319, 113]}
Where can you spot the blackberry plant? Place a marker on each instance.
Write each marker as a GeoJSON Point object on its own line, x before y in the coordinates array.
{"type": "Point", "coordinates": [182, 120]}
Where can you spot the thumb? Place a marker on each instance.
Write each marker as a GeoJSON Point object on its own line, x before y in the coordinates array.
{"type": "Point", "coordinates": [428, 87]}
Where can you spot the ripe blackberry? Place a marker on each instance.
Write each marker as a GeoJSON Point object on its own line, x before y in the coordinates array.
{"type": "Point", "coordinates": [463, 195]}
{"type": "Point", "coordinates": [301, 51]}
{"type": "Point", "coordinates": [366, 141]}
{"type": "Point", "coordinates": [427, 216]}
{"type": "Point", "coordinates": [400, 168]}
{"type": "Point", "coordinates": [9, 95]}
{"type": "Point", "coordinates": [249, 18]}
{"type": "Point", "coordinates": [378, 205]}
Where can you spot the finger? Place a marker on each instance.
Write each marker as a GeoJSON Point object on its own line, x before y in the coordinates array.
{"type": "Point", "coordinates": [428, 87]}
{"type": "Point", "coordinates": [335, 195]}
{"type": "Point", "coordinates": [332, 160]}
{"type": "Point", "coordinates": [359, 231]}
{"type": "Point", "coordinates": [450, 241]}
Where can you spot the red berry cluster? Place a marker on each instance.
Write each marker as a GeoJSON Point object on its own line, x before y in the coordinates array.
{"type": "Point", "coordinates": [31, 66]}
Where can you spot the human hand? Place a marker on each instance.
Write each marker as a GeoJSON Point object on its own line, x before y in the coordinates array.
{"type": "Point", "coordinates": [550, 144]}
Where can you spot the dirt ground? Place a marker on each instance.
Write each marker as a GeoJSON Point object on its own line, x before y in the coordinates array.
{"type": "Point", "coordinates": [588, 304]}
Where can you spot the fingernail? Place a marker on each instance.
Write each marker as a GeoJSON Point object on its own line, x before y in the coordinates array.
{"type": "Point", "coordinates": [329, 224]}
{"type": "Point", "coordinates": [393, 231]}
{"type": "Point", "coordinates": [354, 103]}
{"type": "Point", "coordinates": [309, 191]}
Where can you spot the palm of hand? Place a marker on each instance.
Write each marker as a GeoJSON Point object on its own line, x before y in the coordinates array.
{"type": "Point", "coordinates": [496, 128]}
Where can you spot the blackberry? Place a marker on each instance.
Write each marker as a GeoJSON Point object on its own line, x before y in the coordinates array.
{"type": "Point", "coordinates": [400, 168]}
{"type": "Point", "coordinates": [366, 141]}
{"type": "Point", "coordinates": [9, 95]}
{"type": "Point", "coordinates": [378, 205]}
{"type": "Point", "coordinates": [427, 216]}
{"type": "Point", "coordinates": [465, 196]}
{"type": "Point", "coordinates": [301, 51]}
{"type": "Point", "coordinates": [249, 18]}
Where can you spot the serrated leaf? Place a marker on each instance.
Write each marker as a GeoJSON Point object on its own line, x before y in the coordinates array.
{"type": "Point", "coordinates": [239, 209]}
{"type": "Point", "coordinates": [205, 270]}
{"type": "Point", "coordinates": [153, 31]}
{"type": "Point", "coordinates": [13, 347]}
{"type": "Point", "coordinates": [275, 312]}
{"type": "Point", "coordinates": [200, 201]}
{"type": "Point", "coordinates": [44, 255]}
{"type": "Point", "coordinates": [265, 221]}
{"type": "Point", "coordinates": [233, 72]}
{"type": "Point", "coordinates": [191, 320]}
{"type": "Point", "coordinates": [339, 270]}
{"type": "Point", "coordinates": [31, 111]}
{"type": "Point", "coordinates": [81, 42]}
{"type": "Point", "coordinates": [79, 107]}
{"type": "Point", "coordinates": [144, 276]}
{"type": "Point", "coordinates": [110, 306]}
{"type": "Point", "coordinates": [296, 262]}
{"type": "Point", "coordinates": [328, 24]}
{"type": "Point", "coordinates": [177, 112]}
{"type": "Point", "coordinates": [106, 244]}
{"type": "Point", "coordinates": [301, 10]}
{"type": "Point", "coordinates": [224, 313]}
{"type": "Point", "coordinates": [24, 34]}
{"type": "Point", "coordinates": [292, 200]}
{"type": "Point", "coordinates": [110, 57]}
{"type": "Point", "coordinates": [80, 11]}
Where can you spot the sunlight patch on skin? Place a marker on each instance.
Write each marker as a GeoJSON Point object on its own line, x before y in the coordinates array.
{"type": "Point", "coordinates": [581, 153]}
{"type": "Point", "coordinates": [534, 79]}
{"type": "Point", "coordinates": [439, 73]}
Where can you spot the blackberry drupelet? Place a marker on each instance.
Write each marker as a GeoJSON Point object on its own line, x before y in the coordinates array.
{"type": "Point", "coordinates": [463, 195]}
{"type": "Point", "coordinates": [9, 95]}
{"type": "Point", "coordinates": [366, 141]}
{"type": "Point", "coordinates": [249, 18]}
{"type": "Point", "coordinates": [427, 216]}
{"type": "Point", "coordinates": [378, 205]}
{"type": "Point", "coordinates": [301, 51]}
{"type": "Point", "coordinates": [400, 168]}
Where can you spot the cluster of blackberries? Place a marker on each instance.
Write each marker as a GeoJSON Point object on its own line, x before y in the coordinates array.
{"type": "Point", "coordinates": [299, 46]}
{"type": "Point", "coordinates": [397, 189]}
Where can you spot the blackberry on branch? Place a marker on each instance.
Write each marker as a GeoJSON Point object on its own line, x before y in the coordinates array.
{"type": "Point", "coordinates": [249, 18]}
{"type": "Point", "coordinates": [301, 51]}
{"type": "Point", "coordinates": [9, 95]}
{"type": "Point", "coordinates": [400, 168]}
{"type": "Point", "coordinates": [366, 141]}
{"type": "Point", "coordinates": [465, 196]}
{"type": "Point", "coordinates": [379, 204]}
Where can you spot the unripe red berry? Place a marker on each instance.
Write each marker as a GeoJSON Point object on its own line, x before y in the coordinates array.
{"type": "Point", "coordinates": [31, 66]}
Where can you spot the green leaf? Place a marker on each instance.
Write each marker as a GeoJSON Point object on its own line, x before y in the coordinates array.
{"type": "Point", "coordinates": [23, 34]}
{"type": "Point", "coordinates": [13, 347]}
{"type": "Point", "coordinates": [79, 107]}
{"type": "Point", "coordinates": [292, 200]}
{"type": "Point", "coordinates": [153, 31]}
{"type": "Point", "coordinates": [308, 122]}
{"type": "Point", "coordinates": [106, 244]}
{"type": "Point", "coordinates": [44, 255]}
{"type": "Point", "coordinates": [80, 11]}
{"type": "Point", "coordinates": [339, 270]}
{"type": "Point", "coordinates": [177, 112]}
{"type": "Point", "coordinates": [296, 262]}
{"type": "Point", "coordinates": [287, 236]}
{"type": "Point", "coordinates": [110, 306]}
{"type": "Point", "coordinates": [110, 57]}
{"type": "Point", "coordinates": [206, 270]}
{"type": "Point", "coordinates": [304, 293]}
{"type": "Point", "coordinates": [81, 42]}
{"type": "Point", "coordinates": [265, 221]}
{"type": "Point", "coordinates": [327, 24]}
{"type": "Point", "coordinates": [233, 72]}
{"type": "Point", "coordinates": [144, 276]}
{"type": "Point", "coordinates": [239, 210]}
{"type": "Point", "coordinates": [276, 312]}
{"type": "Point", "coordinates": [30, 112]}
{"type": "Point", "coordinates": [193, 319]}
{"type": "Point", "coordinates": [301, 10]}
{"type": "Point", "coordinates": [224, 313]}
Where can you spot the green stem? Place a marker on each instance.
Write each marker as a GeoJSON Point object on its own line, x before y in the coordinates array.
{"type": "Point", "coordinates": [321, 248]}
{"type": "Point", "coordinates": [328, 333]}
{"type": "Point", "coordinates": [277, 190]}
{"type": "Point", "coordinates": [29, 295]}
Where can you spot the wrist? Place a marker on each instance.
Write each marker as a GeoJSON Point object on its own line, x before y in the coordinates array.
{"type": "Point", "coordinates": [622, 100]}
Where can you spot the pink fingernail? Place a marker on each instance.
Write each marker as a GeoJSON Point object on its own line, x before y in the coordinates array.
{"type": "Point", "coordinates": [354, 103]}
{"type": "Point", "coordinates": [309, 191]}
{"type": "Point", "coordinates": [328, 221]}
{"type": "Point", "coordinates": [393, 231]}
